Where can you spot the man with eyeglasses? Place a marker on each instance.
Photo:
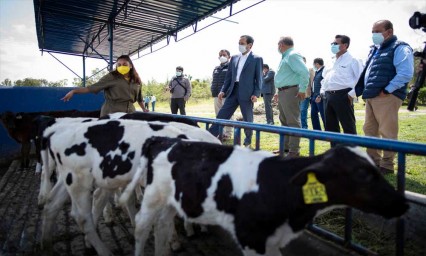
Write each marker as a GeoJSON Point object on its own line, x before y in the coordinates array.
{"type": "Point", "coordinates": [338, 87]}
{"type": "Point", "coordinates": [383, 85]}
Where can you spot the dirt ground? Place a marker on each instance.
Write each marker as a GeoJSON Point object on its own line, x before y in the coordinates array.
{"type": "Point", "coordinates": [20, 227]}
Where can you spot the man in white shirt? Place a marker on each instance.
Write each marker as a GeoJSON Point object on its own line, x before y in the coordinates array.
{"type": "Point", "coordinates": [338, 87]}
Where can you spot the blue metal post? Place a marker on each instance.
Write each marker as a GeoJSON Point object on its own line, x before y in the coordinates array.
{"type": "Point", "coordinates": [237, 136]}
{"type": "Point", "coordinates": [311, 147]}
{"type": "Point", "coordinates": [281, 144]}
{"type": "Point", "coordinates": [348, 226]}
{"type": "Point", "coordinates": [111, 44]}
{"type": "Point", "coordinates": [257, 140]}
{"type": "Point", "coordinates": [400, 225]}
{"type": "Point", "coordinates": [84, 71]}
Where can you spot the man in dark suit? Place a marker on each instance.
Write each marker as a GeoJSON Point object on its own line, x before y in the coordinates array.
{"type": "Point", "coordinates": [242, 86]}
{"type": "Point", "coordinates": [268, 92]}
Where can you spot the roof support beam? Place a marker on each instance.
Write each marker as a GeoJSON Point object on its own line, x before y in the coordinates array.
{"type": "Point", "coordinates": [64, 64]}
{"type": "Point", "coordinates": [111, 44]}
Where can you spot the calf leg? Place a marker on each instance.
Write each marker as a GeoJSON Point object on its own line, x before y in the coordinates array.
{"type": "Point", "coordinates": [101, 198]}
{"type": "Point", "coordinates": [107, 212]}
{"type": "Point", "coordinates": [56, 200]}
{"type": "Point", "coordinates": [151, 206]}
{"type": "Point", "coordinates": [131, 208]}
{"type": "Point", "coordinates": [25, 154]}
{"type": "Point", "coordinates": [189, 228]}
{"type": "Point", "coordinates": [79, 187]}
{"type": "Point", "coordinates": [164, 230]}
{"type": "Point", "coordinates": [45, 183]}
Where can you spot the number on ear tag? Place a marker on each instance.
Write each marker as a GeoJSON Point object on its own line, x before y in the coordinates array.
{"type": "Point", "coordinates": [314, 191]}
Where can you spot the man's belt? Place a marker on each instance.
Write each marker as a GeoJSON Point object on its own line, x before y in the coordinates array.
{"type": "Point", "coordinates": [287, 87]}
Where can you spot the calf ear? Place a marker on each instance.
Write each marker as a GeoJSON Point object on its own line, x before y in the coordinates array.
{"type": "Point", "coordinates": [300, 178]}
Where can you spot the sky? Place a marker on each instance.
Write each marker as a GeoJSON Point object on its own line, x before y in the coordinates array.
{"type": "Point", "coordinates": [312, 25]}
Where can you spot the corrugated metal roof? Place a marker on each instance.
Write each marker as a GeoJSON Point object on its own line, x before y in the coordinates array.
{"type": "Point", "coordinates": [81, 27]}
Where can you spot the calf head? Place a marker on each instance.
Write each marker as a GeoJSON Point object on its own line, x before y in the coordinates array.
{"type": "Point", "coordinates": [351, 178]}
{"type": "Point", "coordinates": [8, 120]}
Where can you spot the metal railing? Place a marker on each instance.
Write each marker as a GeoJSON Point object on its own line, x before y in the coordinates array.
{"type": "Point", "coordinates": [402, 149]}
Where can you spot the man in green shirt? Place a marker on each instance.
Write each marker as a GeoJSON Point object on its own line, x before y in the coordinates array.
{"type": "Point", "coordinates": [291, 80]}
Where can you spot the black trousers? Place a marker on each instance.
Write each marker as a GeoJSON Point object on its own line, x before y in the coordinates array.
{"type": "Point", "coordinates": [339, 109]}
{"type": "Point", "coordinates": [178, 103]}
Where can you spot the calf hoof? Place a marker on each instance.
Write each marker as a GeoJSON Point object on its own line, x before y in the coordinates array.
{"type": "Point", "coordinates": [41, 202]}
{"type": "Point", "coordinates": [176, 246]}
{"type": "Point", "coordinates": [38, 168]}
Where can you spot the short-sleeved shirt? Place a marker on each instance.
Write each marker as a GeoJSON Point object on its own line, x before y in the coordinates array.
{"type": "Point", "coordinates": [120, 95]}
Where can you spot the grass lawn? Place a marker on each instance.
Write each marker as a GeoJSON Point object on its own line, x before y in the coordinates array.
{"type": "Point", "coordinates": [412, 128]}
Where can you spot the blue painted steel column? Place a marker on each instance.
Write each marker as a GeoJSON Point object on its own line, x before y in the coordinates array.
{"type": "Point", "coordinates": [311, 147]}
{"type": "Point", "coordinates": [111, 44]}
{"type": "Point", "coordinates": [237, 136]}
{"type": "Point", "coordinates": [257, 140]}
{"type": "Point", "coordinates": [282, 144]}
{"type": "Point", "coordinates": [348, 226]}
{"type": "Point", "coordinates": [84, 71]}
{"type": "Point", "coordinates": [400, 224]}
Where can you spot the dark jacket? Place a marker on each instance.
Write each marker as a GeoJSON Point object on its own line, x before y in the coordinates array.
{"type": "Point", "coordinates": [382, 71]}
{"type": "Point", "coordinates": [250, 79]}
{"type": "Point", "coordinates": [317, 81]}
{"type": "Point", "coordinates": [268, 86]}
{"type": "Point", "coordinates": [219, 74]}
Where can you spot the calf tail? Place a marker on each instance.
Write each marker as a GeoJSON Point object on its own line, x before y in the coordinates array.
{"type": "Point", "coordinates": [130, 188]}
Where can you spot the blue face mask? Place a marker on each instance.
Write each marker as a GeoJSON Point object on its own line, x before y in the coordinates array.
{"type": "Point", "coordinates": [334, 48]}
{"type": "Point", "coordinates": [378, 38]}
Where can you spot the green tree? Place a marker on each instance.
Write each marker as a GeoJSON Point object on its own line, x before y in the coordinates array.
{"type": "Point", "coordinates": [6, 82]}
{"type": "Point", "coordinates": [60, 83]}
{"type": "Point", "coordinates": [31, 82]}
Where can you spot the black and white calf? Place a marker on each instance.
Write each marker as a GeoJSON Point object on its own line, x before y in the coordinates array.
{"type": "Point", "coordinates": [41, 123]}
{"type": "Point", "coordinates": [263, 201]}
{"type": "Point", "coordinates": [105, 154]}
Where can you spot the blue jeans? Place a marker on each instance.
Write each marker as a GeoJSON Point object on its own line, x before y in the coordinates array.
{"type": "Point", "coordinates": [304, 105]}
{"type": "Point", "coordinates": [231, 104]}
{"type": "Point", "coordinates": [267, 99]}
{"type": "Point", "coordinates": [153, 105]}
{"type": "Point", "coordinates": [315, 109]}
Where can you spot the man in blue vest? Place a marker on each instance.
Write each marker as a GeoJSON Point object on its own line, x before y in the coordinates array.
{"type": "Point", "coordinates": [383, 85]}
{"type": "Point", "coordinates": [316, 101]}
{"type": "Point", "coordinates": [218, 78]}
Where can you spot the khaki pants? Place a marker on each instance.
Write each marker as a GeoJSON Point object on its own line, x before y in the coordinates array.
{"type": "Point", "coordinates": [227, 130]}
{"type": "Point", "coordinates": [288, 105]}
{"type": "Point", "coordinates": [381, 120]}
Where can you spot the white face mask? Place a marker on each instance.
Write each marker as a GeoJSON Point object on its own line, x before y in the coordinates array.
{"type": "Point", "coordinates": [223, 59]}
{"type": "Point", "coordinates": [335, 48]}
{"type": "Point", "coordinates": [378, 38]}
{"type": "Point", "coordinates": [242, 48]}
{"type": "Point", "coordinates": [178, 73]}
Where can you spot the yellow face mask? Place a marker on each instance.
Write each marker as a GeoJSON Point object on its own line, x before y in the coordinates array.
{"type": "Point", "coordinates": [123, 69]}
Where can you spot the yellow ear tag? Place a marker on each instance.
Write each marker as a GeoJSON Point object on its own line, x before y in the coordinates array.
{"type": "Point", "coordinates": [314, 191]}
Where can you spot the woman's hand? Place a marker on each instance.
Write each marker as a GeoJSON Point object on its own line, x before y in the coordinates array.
{"type": "Point", "coordinates": [68, 96]}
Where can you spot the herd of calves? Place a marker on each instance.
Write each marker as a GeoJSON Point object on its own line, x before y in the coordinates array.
{"type": "Point", "coordinates": [263, 200]}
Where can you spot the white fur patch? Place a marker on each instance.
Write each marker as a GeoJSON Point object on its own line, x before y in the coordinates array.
{"type": "Point", "coordinates": [361, 153]}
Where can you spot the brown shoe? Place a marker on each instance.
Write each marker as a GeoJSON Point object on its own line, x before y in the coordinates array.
{"type": "Point", "coordinates": [385, 171]}
{"type": "Point", "coordinates": [292, 154]}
